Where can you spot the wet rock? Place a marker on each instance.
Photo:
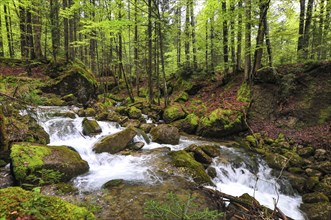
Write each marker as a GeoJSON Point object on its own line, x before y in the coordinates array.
{"type": "Point", "coordinates": [136, 146]}
{"type": "Point", "coordinates": [198, 154]}
{"type": "Point", "coordinates": [146, 127]}
{"type": "Point", "coordinates": [90, 112]}
{"type": "Point", "coordinates": [313, 172]}
{"type": "Point", "coordinates": [182, 97]}
{"type": "Point", "coordinates": [277, 161]}
{"type": "Point", "coordinates": [173, 113]}
{"type": "Point", "coordinates": [189, 124]}
{"type": "Point", "coordinates": [131, 122]}
{"type": "Point", "coordinates": [314, 197]}
{"type": "Point", "coordinates": [220, 123]}
{"type": "Point", "coordinates": [320, 155]}
{"type": "Point", "coordinates": [71, 78]}
{"type": "Point", "coordinates": [165, 134]}
{"type": "Point", "coordinates": [297, 181]}
{"type": "Point", "coordinates": [91, 127]}
{"type": "Point", "coordinates": [6, 179]}
{"type": "Point", "coordinates": [317, 211]}
{"type": "Point", "coordinates": [135, 113]}
{"type": "Point", "coordinates": [211, 171]}
{"type": "Point", "coordinates": [116, 142]}
{"type": "Point", "coordinates": [306, 151]}
{"type": "Point", "coordinates": [183, 159]}
{"type": "Point", "coordinates": [113, 183]}
{"type": "Point", "coordinates": [324, 167]}
{"type": "Point", "coordinates": [38, 164]}
{"type": "Point", "coordinates": [312, 182]}
{"type": "Point", "coordinates": [211, 150]}
{"type": "Point", "coordinates": [15, 198]}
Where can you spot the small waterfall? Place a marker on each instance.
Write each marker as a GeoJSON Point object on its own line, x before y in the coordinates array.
{"type": "Point", "coordinates": [237, 174]}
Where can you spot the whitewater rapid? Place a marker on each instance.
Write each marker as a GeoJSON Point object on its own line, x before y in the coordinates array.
{"type": "Point", "coordinates": [232, 178]}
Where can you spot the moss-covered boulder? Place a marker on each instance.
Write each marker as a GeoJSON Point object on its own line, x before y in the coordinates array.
{"type": "Point", "coordinates": [71, 78]}
{"type": "Point", "coordinates": [189, 124]}
{"type": "Point", "coordinates": [173, 113]}
{"type": "Point", "coordinates": [186, 161]}
{"type": "Point", "coordinates": [41, 164]}
{"type": "Point", "coordinates": [135, 113]}
{"type": "Point", "coordinates": [198, 154]}
{"type": "Point", "coordinates": [182, 97]}
{"type": "Point", "coordinates": [306, 151]}
{"type": "Point", "coordinates": [91, 127]}
{"type": "Point", "coordinates": [277, 161]}
{"type": "Point", "coordinates": [298, 182]}
{"type": "Point", "coordinates": [16, 203]}
{"type": "Point", "coordinates": [146, 127]}
{"type": "Point", "coordinates": [165, 134]}
{"type": "Point", "coordinates": [116, 142]}
{"type": "Point", "coordinates": [220, 123]}
{"type": "Point", "coordinates": [3, 135]}
{"type": "Point", "coordinates": [317, 211]}
{"type": "Point", "coordinates": [324, 167]}
{"type": "Point", "coordinates": [314, 197]}
{"type": "Point", "coordinates": [212, 150]}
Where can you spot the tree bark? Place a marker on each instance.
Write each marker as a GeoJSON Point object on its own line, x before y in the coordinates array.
{"type": "Point", "coordinates": [306, 36]}
{"type": "Point", "coordinates": [179, 33]}
{"type": "Point", "coordinates": [232, 33]}
{"type": "Point", "coordinates": [194, 49]}
{"type": "Point", "coordinates": [187, 34]}
{"type": "Point", "coordinates": [66, 31]}
{"type": "Point", "coordinates": [29, 35]}
{"type": "Point", "coordinates": [2, 52]}
{"type": "Point", "coordinates": [248, 28]}
{"type": "Point", "coordinates": [301, 27]}
{"type": "Point", "coordinates": [239, 37]}
{"type": "Point", "coordinates": [268, 43]}
{"type": "Point", "coordinates": [9, 31]}
{"type": "Point", "coordinates": [55, 29]}
{"type": "Point", "coordinates": [212, 47]}
{"type": "Point", "coordinates": [136, 51]}
{"type": "Point", "coordinates": [207, 49]}
{"type": "Point", "coordinates": [37, 30]}
{"type": "Point", "coordinates": [225, 38]}
{"type": "Point", "coordinates": [150, 52]}
{"type": "Point", "coordinates": [22, 13]}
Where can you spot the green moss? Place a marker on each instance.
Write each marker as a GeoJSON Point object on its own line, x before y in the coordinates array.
{"type": "Point", "coordinates": [192, 119]}
{"type": "Point", "coordinates": [27, 158]}
{"type": "Point", "coordinates": [182, 158]}
{"type": "Point", "coordinates": [244, 93]}
{"type": "Point", "coordinates": [173, 113]}
{"type": "Point", "coordinates": [182, 97]}
{"type": "Point", "coordinates": [226, 117]}
{"type": "Point", "coordinates": [134, 112]}
{"type": "Point", "coordinates": [325, 115]}
{"type": "Point", "coordinates": [16, 202]}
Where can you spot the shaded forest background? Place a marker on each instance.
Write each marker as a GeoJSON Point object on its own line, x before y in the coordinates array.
{"type": "Point", "coordinates": [151, 39]}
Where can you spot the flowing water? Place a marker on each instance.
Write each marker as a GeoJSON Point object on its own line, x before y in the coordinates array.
{"type": "Point", "coordinates": [237, 173]}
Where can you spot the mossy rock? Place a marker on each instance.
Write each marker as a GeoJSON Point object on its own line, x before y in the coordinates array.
{"type": "Point", "coordinates": [323, 188]}
{"type": "Point", "coordinates": [91, 127]}
{"type": "Point", "coordinates": [220, 123]}
{"type": "Point", "coordinates": [314, 197]}
{"type": "Point", "coordinates": [135, 113]}
{"type": "Point", "coordinates": [71, 78]}
{"type": "Point", "coordinates": [198, 154]}
{"type": "Point", "coordinates": [306, 151]}
{"type": "Point", "coordinates": [90, 112]}
{"type": "Point", "coordinates": [244, 93]}
{"type": "Point", "coordinates": [113, 183]}
{"type": "Point", "coordinates": [3, 133]}
{"type": "Point", "coordinates": [116, 142]}
{"type": "Point", "coordinates": [173, 113]}
{"type": "Point", "coordinates": [182, 97]}
{"type": "Point", "coordinates": [295, 159]}
{"type": "Point", "coordinates": [277, 161]}
{"type": "Point", "coordinates": [324, 167]}
{"type": "Point", "coordinates": [212, 150]}
{"type": "Point", "coordinates": [165, 134]}
{"type": "Point", "coordinates": [64, 115]}
{"type": "Point", "coordinates": [146, 127]}
{"type": "Point", "coordinates": [298, 182]}
{"type": "Point", "coordinates": [30, 161]}
{"type": "Point", "coordinates": [311, 183]}
{"type": "Point", "coordinates": [183, 159]}
{"type": "Point", "coordinates": [18, 203]}
{"type": "Point", "coordinates": [317, 211]}
{"type": "Point", "coordinates": [189, 124]}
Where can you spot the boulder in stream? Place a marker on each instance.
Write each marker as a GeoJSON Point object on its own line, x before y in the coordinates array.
{"type": "Point", "coordinates": [165, 134]}
{"type": "Point", "coordinates": [91, 127]}
{"type": "Point", "coordinates": [116, 142]}
{"type": "Point", "coordinates": [40, 164]}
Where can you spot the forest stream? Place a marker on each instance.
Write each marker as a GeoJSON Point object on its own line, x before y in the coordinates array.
{"type": "Point", "coordinates": [237, 173]}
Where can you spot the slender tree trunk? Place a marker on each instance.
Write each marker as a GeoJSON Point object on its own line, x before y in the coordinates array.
{"type": "Point", "coordinates": [307, 33]}
{"type": "Point", "coordinates": [136, 52]}
{"type": "Point", "coordinates": [179, 33]}
{"type": "Point", "coordinates": [248, 30]}
{"type": "Point", "coordinates": [301, 28]}
{"type": "Point", "coordinates": [239, 37]}
{"type": "Point", "coordinates": [267, 39]}
{"type": "Point", "coordinates": [24, 51]}
{"type": "Point", "coordinates": [225, 38]}
{"type": "Point", "coordinates": [212, 47]}
{"type": "Point", "coordinates": [9, 31]}
{"type": "Point", "coordinates": [37, 30]}
{"type": "Point", "coordinates": [207, 49]}
{"type": "Point", "coordinates": [260, 36]}
{"type": "Point", "coordinates": [194, 49]}
{"type": "Point", "coordinates": [187, 34]}
{"type": "Point", "coordinates": [2, 52]}
{"type": "Point", "coordinates": [150, 52]}
{"type": "Point", "coordinates": [66, 31]}
{"type": "Point", "coordinates": [72, 32]}
{"type": "Point", "coordinates": [93, 42]}
{"type": "Point", "coordinates": [321, 29]}
{"type": "Point", "coordinates": [326, 29]}
{"type": "Point", "coordinates": [55, 28]}
{"type": "Point", "coordinates": [232, 33]}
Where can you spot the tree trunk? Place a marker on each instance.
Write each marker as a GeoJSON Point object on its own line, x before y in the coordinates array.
{"type": "Point", "coordinates": [239, 36]}
{"type": "Point", "coordinates": [37, 30]}
{"type": "Point", "coordinates": [212, 47]}
{"type": "Point", "coordinates": [306, 36]}
{"type": "Point", "coordinates": [136, 52]}
{"type": "Point", "coordinates": [260, 36]}
{"type": "Point", "coordinates": [93, 42]}
{"type": "Point", "coordinates": [72, 32]}
{"type": "Point", "coordinates": [267, 39]}
{"type": "Point", "coordinates": [207, 49]}
{"type": "Point", "coordinates": [179, 33]}
{"type": "Point", "coordinates": [9, 31]}
{"type": "Point", "coordinates": [326, 49]}
{"type": "Point", "coordinates": [321, 30]}
{"type": "Point", "coordinates": [248, 28]}
{"type": "Point", "coordinates": [232, 33]}
{"type": "Point", "coordinates": [55, 29]}
{"type": "Point", "coordinates": [194, 49]}
{"type": "Point", "coordinates": [187, 34]}
{"type": "Point", "coordinates": [2, 52]}
{"type": "Point", "coordinates": [24, 52]}
{"type": "Point", "coordinates": [66, 31]}
{"type": "Point", "coordinates": [225, 38]}
{"type": "Point", "coordinates": [301, 27]}
{"type": "Point", "coordinates": [150, 52]}
{"type": "Point", "coordinates": [29, 35]}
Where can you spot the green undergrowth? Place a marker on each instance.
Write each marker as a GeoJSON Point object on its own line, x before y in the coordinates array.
{"type": "Point", "coordinates": [16, 203]}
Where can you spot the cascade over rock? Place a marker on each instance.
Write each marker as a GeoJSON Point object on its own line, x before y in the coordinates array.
{"type": "Point", "coordinates": [91, 127]}
{"type": "Point", "coordinates": [29, 161]}
{"type": "Point", "coordinates": [116, 142]}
